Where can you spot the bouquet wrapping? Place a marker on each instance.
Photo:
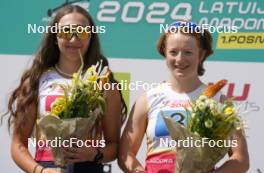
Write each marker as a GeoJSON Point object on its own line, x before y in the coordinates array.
{"type": "Point", "coordinates": [209, 122]}
{"type": "Point", "coordinates": [52, 127]}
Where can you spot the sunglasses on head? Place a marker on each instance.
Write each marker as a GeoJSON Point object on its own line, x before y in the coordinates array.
{"type": "Point", "coordinates": [67, 32]}
{"type": "Point", "coordinates": [189, 25]}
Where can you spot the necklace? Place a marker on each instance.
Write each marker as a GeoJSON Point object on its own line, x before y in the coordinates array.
{"type": "Point", "coordinates": [62, 72]}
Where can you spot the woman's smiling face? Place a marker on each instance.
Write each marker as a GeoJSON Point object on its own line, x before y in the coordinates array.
{"type": "Point", "coordinates": [69, 48]}
{"type": "Point", "coordinates": [183, 55]}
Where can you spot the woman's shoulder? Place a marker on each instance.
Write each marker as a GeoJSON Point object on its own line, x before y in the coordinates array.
{"type": "Point", "coordinates": [48, 73]}
{"type": "Point", "coordinates": [158, 88]}
{"type": "Point", "coordinates": [48, 76]}
{"type": "Point", "coordinates": [154, 95]}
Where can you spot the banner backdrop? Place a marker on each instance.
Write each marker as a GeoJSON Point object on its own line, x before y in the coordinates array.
{"type": "Point", "coordinates": [137, 24]}
{"type": "Point", "coordinates": [132, 29]}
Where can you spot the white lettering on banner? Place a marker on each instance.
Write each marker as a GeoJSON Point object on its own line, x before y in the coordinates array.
{"type": "Point", "coordinates": [242, 7]}
{"type": "Point", "coordinates": [164, 9]}
{"type": "Point", "coordinates": [201, 8]}
{"type": "Point", "coordinates": [217, 7]}
{"type": "Point", "coordinates": [188, 12]}
{"type": "Point", "coordinates": [159, 12]}
{"type": "Point", "coordinates": [108, 11]}
{"type": "Point", "coordinates": [239, 23]}
{"type": "Point", "coordinates": [156, 13]}
{"type": "Point", "coordinates": [231, 5]}
{"type": "Point", "coordinates": [140, 12]}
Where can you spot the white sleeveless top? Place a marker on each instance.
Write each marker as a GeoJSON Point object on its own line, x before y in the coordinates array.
{"type": "Point", "coordinates": [173, 104]}
{"type": "Point", "coordinates": [48, 92]}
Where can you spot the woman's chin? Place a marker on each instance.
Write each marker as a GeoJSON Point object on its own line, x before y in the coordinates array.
{"type": "Point", "coordinates": [73, 51]}
{"type": "Point", "coordinates": [73, 54]}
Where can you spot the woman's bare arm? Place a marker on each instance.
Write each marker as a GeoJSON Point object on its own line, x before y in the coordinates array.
{"type": "Point", "coordinates": [132, 137]}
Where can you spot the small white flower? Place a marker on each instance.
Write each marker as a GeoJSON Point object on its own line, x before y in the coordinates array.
{"type": "Point", "coordinates": [208, 102]}
{"type": "Point", "coordinates": [193, 115]}
{"type": "Point", "coordinates": [213, 106]}
{"type": "Point", "coordinates": [208, 123]}
{"type": "Point", "coordinates": [214, 112]}
{"type": "Point", "coordinates": [238, 128]}
{"type": "Point", "coordinates": [202, 98]}
{"type": "Point", "coordinates": [201, 106]}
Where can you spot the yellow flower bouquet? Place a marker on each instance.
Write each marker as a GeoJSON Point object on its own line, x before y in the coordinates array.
{"type": "Point", "coordinates": [209, 127]}
{"type": "Point", "coordinates": [75, 113]}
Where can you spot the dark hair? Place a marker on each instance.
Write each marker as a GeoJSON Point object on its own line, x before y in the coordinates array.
{"type": "Point", "coordinates": [204, 40]}
{"type": "Point", "coordinates": [46, 57]}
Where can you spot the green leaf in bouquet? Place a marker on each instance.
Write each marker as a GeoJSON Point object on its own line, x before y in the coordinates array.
{"type": "Point", "coordinates": [82, 97]}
